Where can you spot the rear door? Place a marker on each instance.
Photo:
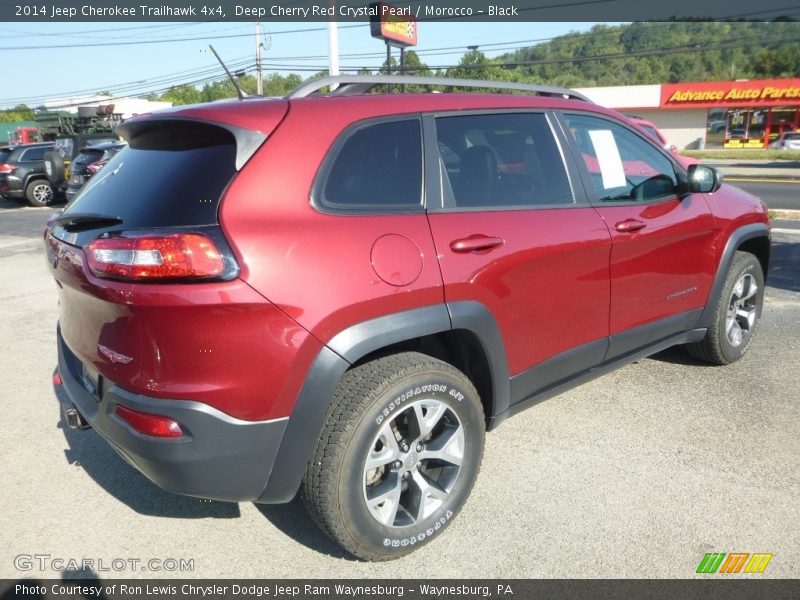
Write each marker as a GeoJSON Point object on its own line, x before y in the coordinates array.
{"type": "Point", "coordinates": [512, 234]}
{"type": "Point", "coordinates": [662, 260]}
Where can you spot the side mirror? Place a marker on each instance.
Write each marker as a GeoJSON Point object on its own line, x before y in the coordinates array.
{"type": "Point", "coordinates": [703, 179]}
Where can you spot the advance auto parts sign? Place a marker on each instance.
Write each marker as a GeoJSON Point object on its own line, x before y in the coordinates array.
{"type": "Point", "coordinates": [757, 92]}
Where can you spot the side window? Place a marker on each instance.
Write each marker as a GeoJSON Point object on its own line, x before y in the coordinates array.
{"type": "Point", "coordinates": [64, 147]}
{"type": "Point", "coordinates": [33, 154]}
{"type": "Point", "coordinates": [623, 167]}
{"type": "Point", "coordinates": [377, 167]}
{"type": "Point", "coordinates": [501, 160]}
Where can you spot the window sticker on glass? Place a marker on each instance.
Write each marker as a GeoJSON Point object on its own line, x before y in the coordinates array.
{"type": "Point", "coordinates": [608, 158]}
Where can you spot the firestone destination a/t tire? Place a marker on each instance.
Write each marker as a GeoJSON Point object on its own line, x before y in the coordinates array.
{"type": "Point", "coordinates": [737, 313]}
{"type": "Point", "coordinates": [398, 456]}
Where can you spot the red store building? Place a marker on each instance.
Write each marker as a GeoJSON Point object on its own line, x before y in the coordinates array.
{"type": "Point", "coordinates": [714, 114]}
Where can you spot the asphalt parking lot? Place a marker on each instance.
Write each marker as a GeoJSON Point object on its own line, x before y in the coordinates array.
{"type": "Point", "coordinates": [636, 474]}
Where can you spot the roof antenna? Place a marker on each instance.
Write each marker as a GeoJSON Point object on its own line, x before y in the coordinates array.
{"type": "Point", "coordinates": [242, 94]}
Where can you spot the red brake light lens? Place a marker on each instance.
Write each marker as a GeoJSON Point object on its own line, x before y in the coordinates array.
{"type": "Point", "coordinates": [6, 168]}
{"type": "Point", "coordinates": [93, 168]}
{"type": "Point", "coordinates": [172, 256]}
{"type": "Point", "coordinates": [149, 424]}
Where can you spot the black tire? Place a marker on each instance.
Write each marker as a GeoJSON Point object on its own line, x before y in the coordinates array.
{"type": "Point", "coordinates": [384, 395]}
{"type": "Point", "coordinates": [39, 192]}
{"type": "Point", "coordinates": [54, 168]}
{"type": "Point", "coordinates": [727, 342]}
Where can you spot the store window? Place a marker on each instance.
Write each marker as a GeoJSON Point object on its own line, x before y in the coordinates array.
{"type": "Point", "coordinates": [748, 127]}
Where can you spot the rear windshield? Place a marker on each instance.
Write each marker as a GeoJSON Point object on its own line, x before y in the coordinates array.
{"type": "Point", "coordinates": [4, 154]}
{"type": "Point", "coordinates": [169, 176]}
{"type": "Point", "coordinates": [88, 156]}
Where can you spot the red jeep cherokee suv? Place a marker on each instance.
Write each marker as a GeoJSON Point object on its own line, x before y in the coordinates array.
{"type": "Point", "coordinates": [339, 293]}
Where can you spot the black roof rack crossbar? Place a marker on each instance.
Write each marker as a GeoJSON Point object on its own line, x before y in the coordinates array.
{"type": "Point", "coordinates": [348, 85]}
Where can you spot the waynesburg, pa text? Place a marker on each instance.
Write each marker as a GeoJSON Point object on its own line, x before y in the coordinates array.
{"type": "Point", "coordinates": [273, 590]}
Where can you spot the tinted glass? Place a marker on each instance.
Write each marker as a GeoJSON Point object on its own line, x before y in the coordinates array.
{"type": "Point", "coordinates": [623, 166]}
{"type": "Point", "coordinates": [88, 156]}
{"type": "Point", "coordinates": [64, 146]}
{"type": "Point", "coordinates": [171, 176]}
{"type": "Point", "coordinates": [791, 136]}
{"type": "Point", "coordinates": [34, 154]}
{"type": "Point", "coordinates": [651, 132]}
{"type": "Point", "coordinates": [4, 154]}
{"type": "Point", "coordinates": [378, 167]}
{"type": "Point", "coordinates": [501, 160]}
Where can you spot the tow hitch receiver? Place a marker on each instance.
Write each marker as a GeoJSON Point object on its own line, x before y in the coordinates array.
{"type": "Point", "coordinates": [73, 418]}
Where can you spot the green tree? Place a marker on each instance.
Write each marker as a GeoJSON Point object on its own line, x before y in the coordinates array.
{"type": "Point", "coordinates": [182, 94]}
{"type": "Point", "coordinates": [21, 112]}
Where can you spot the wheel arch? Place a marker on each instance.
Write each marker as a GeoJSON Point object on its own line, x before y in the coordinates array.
{"type": "Point", "coordinates": [31, 177]}
{"type": "Point", "coordinates": [464, 334]}
{"type": "Point", "coordinates": [753, 238]}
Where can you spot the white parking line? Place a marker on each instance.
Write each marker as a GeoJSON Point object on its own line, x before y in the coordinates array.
{"type": "Point", "coordinates": [789, 231]}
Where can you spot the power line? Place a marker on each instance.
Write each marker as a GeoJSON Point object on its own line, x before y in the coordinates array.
{"type": "Point", "coordinates": [170, 41]}
{"type": "Point", "coordinates": [278, 64]}
{"type": "Point", "coordinates": [576, 59]}
{"type": "Point", "coordinates": [176, 77]}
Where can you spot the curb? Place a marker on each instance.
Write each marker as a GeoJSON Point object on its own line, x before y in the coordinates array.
{"type": "Point", "coordinates": [760, 179]}
{"type": "Point", "coordinates": [777, 214]}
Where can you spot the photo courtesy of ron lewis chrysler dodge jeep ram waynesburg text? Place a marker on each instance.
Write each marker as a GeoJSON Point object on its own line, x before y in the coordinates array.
{"type": "Point", "coordinates": [339, 293]}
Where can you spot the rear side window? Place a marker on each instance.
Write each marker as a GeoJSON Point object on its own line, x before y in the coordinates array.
{"type": "Point", "coordinates": [376, 167]}
{"type": "Point", "coordinates": [171, 175]}
{"type": "Point", "coordinates": [34, 154]}
{"type": "Point", "coordinates": [64, 147]}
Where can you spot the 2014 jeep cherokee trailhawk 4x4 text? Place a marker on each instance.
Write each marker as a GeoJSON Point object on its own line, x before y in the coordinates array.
{"type": "Point", "coordinates": [339, 293]}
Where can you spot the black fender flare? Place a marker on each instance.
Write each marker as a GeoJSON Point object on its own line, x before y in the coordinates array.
{"type": "Point", "coordinates": [33, 177]}
{"type": "Point", "coordinates": [736, 239]}
{"type": "Point", "coordinates": [350, 345]}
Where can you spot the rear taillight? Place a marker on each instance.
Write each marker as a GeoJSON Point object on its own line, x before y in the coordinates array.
{"type": "Point", "coordinates": [149, 424]}
{"type": "Point", "coordinates": [7, 168]}
{"type": "Point", "coordinates": [93, 168]}
{"type": "Point", "coordinates": [155, 257]}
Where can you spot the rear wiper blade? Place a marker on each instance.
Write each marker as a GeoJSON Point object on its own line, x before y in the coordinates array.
{"type": "Point", "coordinates": [85, 221]}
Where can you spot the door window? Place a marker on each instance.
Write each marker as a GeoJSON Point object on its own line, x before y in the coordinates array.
{"type": "Point", "coordinates": [623, 167]}
{"type": "Point", "coordinates": [500, 160]}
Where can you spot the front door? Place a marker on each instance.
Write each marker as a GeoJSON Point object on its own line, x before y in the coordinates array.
{"type": "Point", "coordinates": [662, 257]}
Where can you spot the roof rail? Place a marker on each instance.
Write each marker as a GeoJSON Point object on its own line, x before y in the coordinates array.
{"type": "Point", "coordinates": [349, 85]}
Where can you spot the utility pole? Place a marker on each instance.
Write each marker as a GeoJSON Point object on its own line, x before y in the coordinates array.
{"type": "Point", "coordinates": [333, 47]}
{"type": "Point", "coordinates": [259, 77]}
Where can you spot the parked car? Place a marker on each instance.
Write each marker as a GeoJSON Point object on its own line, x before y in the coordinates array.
{"type": "Point", "coordinates": [654, 132]}
{"type": "Point", "coordinates": [788, 140]}
{"type": "Point", "coordinates": [86, 164]}
{"type": "Point", "coordinates": [22, 175]}
{"type": "Point", "coordinates": [67, 147]}
{"type": "Point", "coordinates": [338, 295]}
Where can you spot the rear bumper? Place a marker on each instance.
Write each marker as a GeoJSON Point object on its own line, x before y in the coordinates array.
{"type": "Point", "coordinates": [11, 187]}
{"type": "Point", "coordinates": [219, 457]}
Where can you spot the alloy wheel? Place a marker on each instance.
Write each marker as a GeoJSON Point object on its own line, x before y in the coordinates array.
{"type": "Point", "coordinates": [413, 463]}
{"type": "Point", "coordinates": [742, 308]}
{"type": "Point", "coordinates": [43, 193]}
